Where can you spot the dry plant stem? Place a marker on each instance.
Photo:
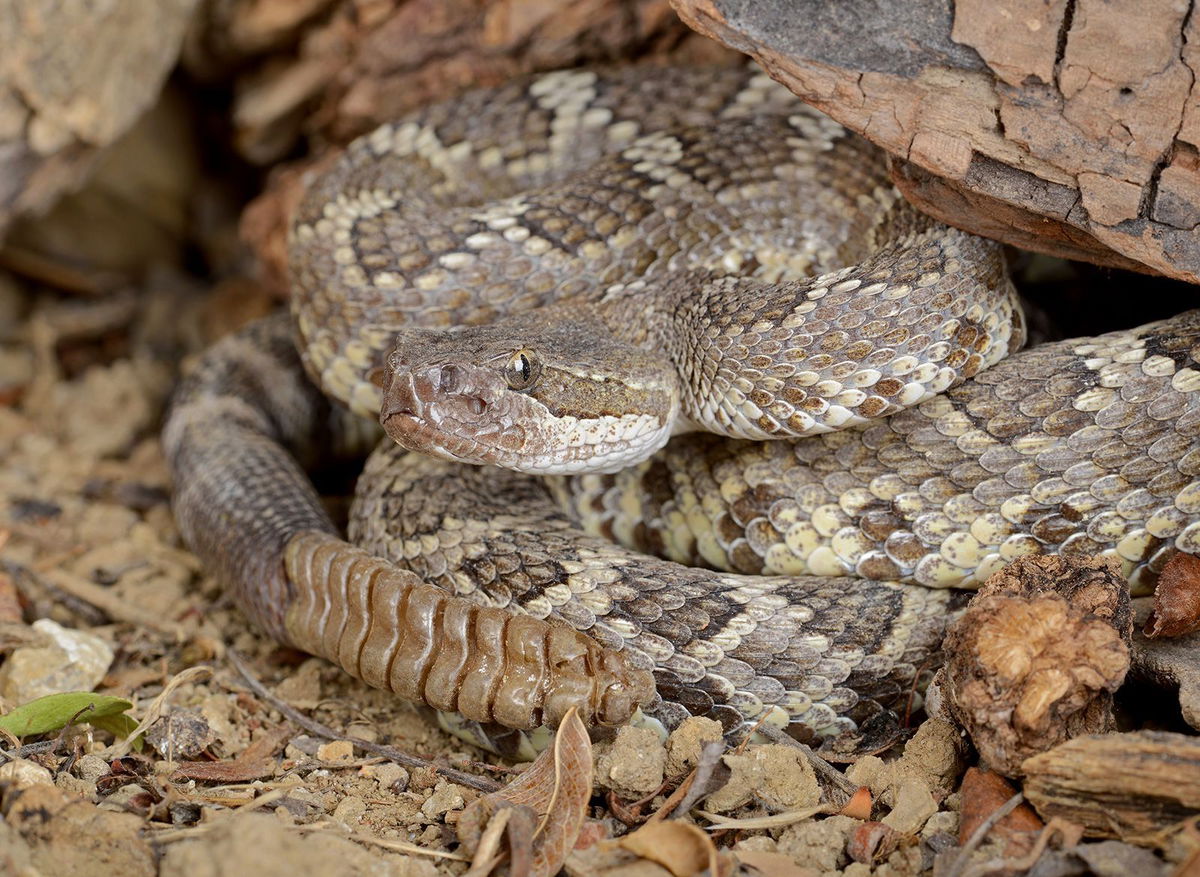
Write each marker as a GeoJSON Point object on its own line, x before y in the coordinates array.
{"type": "Point", "coordinates": [388, 752]}
{"type": "Point", "coordinates": [1069, 831]}
{"type": "Point", "coordinates": [109, 603]}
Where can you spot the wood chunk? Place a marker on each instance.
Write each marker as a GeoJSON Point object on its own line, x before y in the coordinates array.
{"type": "Point", "coordinates": [1129, 786]}
{"type": "Point", "coordinates": [1036, 656]}
{"type": "Point", "coordinates": [1072, 128]}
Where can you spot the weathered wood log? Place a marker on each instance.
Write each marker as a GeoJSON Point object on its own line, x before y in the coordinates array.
{"type": "Point", "coordinates": [1071, 127]}
{"type": "Point", "coordinates": [1136, 787]}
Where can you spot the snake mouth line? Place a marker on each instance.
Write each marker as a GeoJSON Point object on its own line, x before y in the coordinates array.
{"type": "Point", "coordinates": [418, 434]}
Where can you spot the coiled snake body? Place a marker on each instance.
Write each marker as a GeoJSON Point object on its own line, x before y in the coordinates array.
{"type": "Point", "coordinates": [640, 188]}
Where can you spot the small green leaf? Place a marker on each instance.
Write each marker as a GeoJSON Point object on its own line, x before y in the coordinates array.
{"type": "Point", "coordinates": [54, 711]}
{"type": "Point", "coordinates": [120, 726]}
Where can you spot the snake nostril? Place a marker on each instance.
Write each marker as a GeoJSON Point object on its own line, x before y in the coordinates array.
{"type": "Point", "coordinates": [476, 405]}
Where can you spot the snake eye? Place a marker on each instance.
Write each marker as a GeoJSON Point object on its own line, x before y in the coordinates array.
{"type": "Point", "coordinates": [523, 369]}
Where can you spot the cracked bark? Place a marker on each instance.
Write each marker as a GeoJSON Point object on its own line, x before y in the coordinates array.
{"type": "Point", "coordinates": [1070, 127]}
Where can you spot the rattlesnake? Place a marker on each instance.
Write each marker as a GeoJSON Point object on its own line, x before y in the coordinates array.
{"type": "Point", "coordinates": [641, 187]}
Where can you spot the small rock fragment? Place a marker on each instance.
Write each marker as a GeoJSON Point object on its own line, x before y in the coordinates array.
{"type": "Point", "coordinates": [302, 689]}
{"type": "Point", "coordinates": [22, 774]}
{"type": "Point", "coordinates": [914, 804]}
{"type": "Point", "coordinates": [632, 766]}
{"type": "Point", "coordinates": [350, 810]}
{"type": "Point", "coordinates": [685, 743]}
{"type": "Point", "coordinates": [818, 843]}
{"type": "Point", "coordinates": [65, 660]}
{"type": "Point", "coordinates": [983, 793]}
{"type": "Point", "coordinates": [777, 776]}
{"type": "Point", "coordinates": [935, 754]}
{"type": "Point", "coordinates": [872, 841]}
{"type": "Point", "coordinates": [446, 797]}
{"type": "Point", "coordinates": [335, 751]}
{"type": "Point", "coordinates": [181, 735]}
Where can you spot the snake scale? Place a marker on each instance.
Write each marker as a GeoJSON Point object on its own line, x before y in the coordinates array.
{"type": "Point", "coordinates": [875, 446]}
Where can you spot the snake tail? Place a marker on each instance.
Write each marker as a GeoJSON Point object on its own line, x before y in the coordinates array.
{"type": "Point", "coordinates": [238, 425]}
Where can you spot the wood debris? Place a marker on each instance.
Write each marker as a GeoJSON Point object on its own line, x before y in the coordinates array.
{"type": "Point", "coordinates": [1138, 787]}
{"type": "Point", "coordinates": [1036, 656]}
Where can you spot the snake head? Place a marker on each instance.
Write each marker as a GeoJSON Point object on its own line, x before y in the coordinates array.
{"type": "Point", "coordinates": [533, 393]}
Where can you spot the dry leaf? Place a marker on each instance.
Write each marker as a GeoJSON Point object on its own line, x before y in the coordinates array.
{"type": "Point", "coordinates": [680, 847]}
{"type": "Point", "coordinates": [984, 792]}
{"type": "Point", "coordinates": [255, 762]}
{"type": "Point", "coordinates": [859, 806]}
{"type": "Point", "coordinates": [1176, 599]}
{"type": "Point", "coordinates": [556, 788]}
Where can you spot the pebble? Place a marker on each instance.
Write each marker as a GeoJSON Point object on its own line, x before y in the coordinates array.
{"type": "Point", "coordinates": [64, 660]}
{"type": "Point", "coordinates": [445, 797]}
{"type": "Point", "coordinates": [633, 765]}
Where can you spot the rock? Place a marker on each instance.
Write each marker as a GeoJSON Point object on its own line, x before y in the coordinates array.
{"type": "Point", "coordinates": [632, 765]}
{"type": "Point", "coordinates": [302, 689]}
{"type": "Point", "coordinates": [935, 754]}
{"type": "Point", "coordinates": [914, 804]}
{"type": "Point", "coordinates": [336, 750]}
{"type": "Point", "coordinates": [446, 797]}
{"type": "Point", "coordinates": [350, 810]}
{"type": "Point", "coordinates": [22, 774]}
{"type": "Point", "coordinates": [259, 844]}
{"type": "Point", "coordinates": [69, 836]}
{"type": "Point", "coordinates": [181, 735]}
{"type": "Point", "coordinates": [776, 775]}
{"type": "Point", "coordinates": [686, 741]}
{"type": "Point", "coordinates": [819, 844]}
{"type": "Point", "coordinates": [66, 660]}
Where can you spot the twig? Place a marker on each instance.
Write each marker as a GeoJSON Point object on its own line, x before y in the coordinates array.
{"type": "Point", "coordinates": [977, 836]}
{"type": "Point", "coordinates": [29, 749]}
{"type": "Point", "coordinates": [388, 752]}
{"type": "Point", "coordinates": [108, 602]}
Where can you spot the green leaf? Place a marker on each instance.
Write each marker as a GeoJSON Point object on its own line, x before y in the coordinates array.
{"type": "Point", "coordinates": [54, 711]}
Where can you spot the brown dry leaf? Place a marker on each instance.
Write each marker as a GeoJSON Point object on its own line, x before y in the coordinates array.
{"type": "Point", "coordinates": [773, 864]}
{"type": "Point", "coordinates": [984, 792]}
{"type": "Point", "coordinates": [680, 847]}
{"type": "Point", "coordinates": [859, 806]}
{"type": "Point", "coordinates": [255, 762]}
{"type": "Point", "coordinates": [1176, 599]}
{"type": "Point", "coordinates": [556, 788]}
